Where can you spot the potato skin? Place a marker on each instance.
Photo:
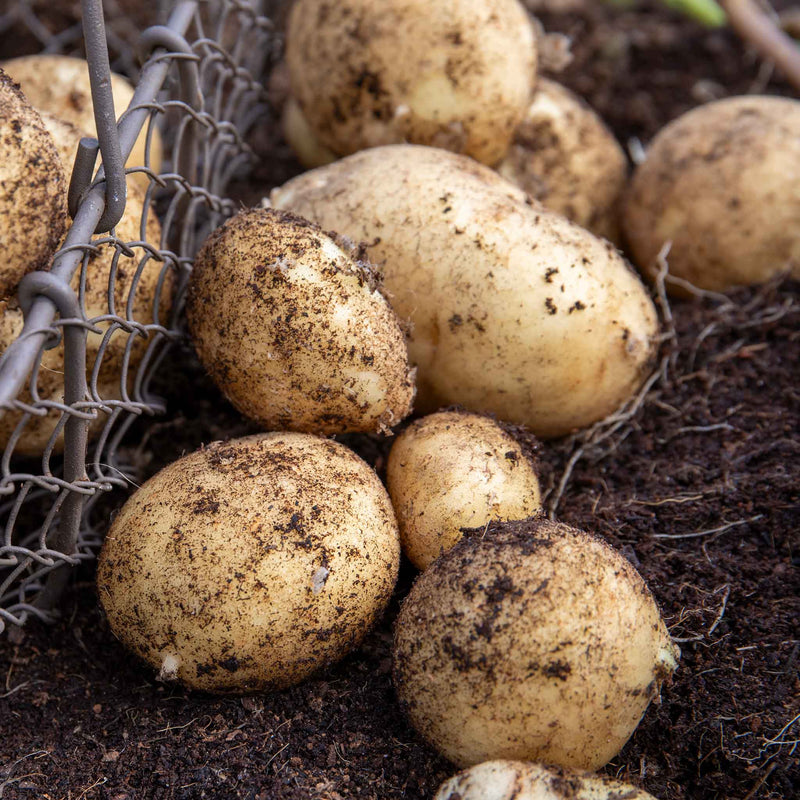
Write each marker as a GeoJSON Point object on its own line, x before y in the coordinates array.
{"type": "Point", "coordinates": [535, 641]}
{"type": "Point", "coordinates": [455, 470]}
{"type": "Point", "coordinates": [720, 183]}
{"type": "Point", "coordinates": [515, 310]}
{"type": "Point", "coordinates": [33, 189]}
{"type": "Point", "coordinates": [249, 564]}
{"type": "Point", "coordinates": [518, 780]}
{"type": "Point", "coordinates": [304, 143]}
{"type": "Point", "coordinates": [455, 74]}
{"type": "Point", "coordinates": [294, 331]}
{"type": "Point", "coordinates": [564, 156]}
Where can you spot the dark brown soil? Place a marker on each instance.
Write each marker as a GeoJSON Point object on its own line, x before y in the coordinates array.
{"type": "Point", "coordinates": [700, 489]}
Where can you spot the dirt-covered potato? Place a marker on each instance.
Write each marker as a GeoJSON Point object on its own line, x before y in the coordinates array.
{"type": "Point", "coordinates": [60, 86]}
{"type": "Point", "coordinates": [532, 641]}
{"type": "Point", "coordinates": [515, 310]}
{"type": "Point", "coordinates": [249, 564]}
{"type": "Point", "coordinates": [66, 136]}
{"type": "Point", "coordinates": [151, 284]}
{"type": "Point", "coordinates": [294, 330]}
{"type": "Point", "coordinates": [721, 184]}
{"type": "Point", "coordinates": [453, 470]}
{"type": "Point", "coordinates": [456, 74]}
{"type": "Point", "coordinates": [564, 155]}
{"type": "Point", "coordinates": [304, 143]}
{"type": "Point", "coordinates": [517, 780]}
{"type": "Point", "coordinates": [33, 189]}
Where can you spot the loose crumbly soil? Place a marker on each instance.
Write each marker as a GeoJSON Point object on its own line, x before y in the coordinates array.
{"type": "Point", "coordinates": [699, 488]}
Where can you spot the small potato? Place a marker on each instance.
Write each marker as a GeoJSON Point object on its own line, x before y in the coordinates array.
{"type": "Point", "coordinates": [564, 156]}
{"type": "Point", "coordinates": [515, 310]}
{"type": "Point", "coordinates": [60, 86]}
{"type": "Point", "coordinates": [250, 564]}
{"type": "Point", "coordinates": [721, 184]}
{"type": "Point", "coordinates": [66, 136]}
{"type": "Point", "coordinates": [535, 642]}
{"type": "Point", "coordinates": [310, 153]}
{"type": "Point", "coordinates": [294, 331]}
{"type": "Point", "coordinates": [456, 74]}
{"type": "Point", "coordinates": [516, 780]}
{"type": "Point", "coordinates": [33, 190]}
{"type": "Point", "coordinates": [450, 471]}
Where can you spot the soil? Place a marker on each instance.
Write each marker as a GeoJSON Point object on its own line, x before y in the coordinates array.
{"type": "Point", "coordinates": [698, 486]}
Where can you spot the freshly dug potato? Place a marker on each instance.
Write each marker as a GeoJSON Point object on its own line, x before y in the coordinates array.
{"type": "Point", "coordinates": [147, 281]}
{"type": "Point", "coordinates": [250, 564]}
{"type": "Point", "coordinates": [564, 155]}
{"type": "Point", "coordinates": [515, 310]}
{"type": "Point", "coordinates": [294, 330]}
{"type": "Point", "coordinates": [60, 86]}
{"type": "Point", "coordinates": [721, 184]}
{"type": "Point", "coordinates": [310, 153]}
{"type": "Point", "coordinates": [66, 136]}
{"type": "Point", "coordinates": [33, 189]}
{"type": "Point", "coordinates": [517, 780]}
{"type": "Point", "coordinates": [456, 74]}
{"type": "Point", "coordinates": [453, 470]}
{"type": "Point", "coordinates": [532, 641]}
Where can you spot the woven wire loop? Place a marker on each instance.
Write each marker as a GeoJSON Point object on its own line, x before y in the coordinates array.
{"type": "Point", "coordinates": [129, 285]}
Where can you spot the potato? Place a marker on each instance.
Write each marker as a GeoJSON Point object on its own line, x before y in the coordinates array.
{"type": "Point", "coordinates": [532, 641]}
{"type": "Point", "coordinates": [145, 281]}
{"type": "Point", "coordinates": [66, 136]}
{"type": "Point", "coordinates": [250, 564]}
{"type": "Point", "coordinates": [456, 73]}
{"type": "Point", "coordinates": [565, 156]}
{"type": "Point", "coordinates": [296, 332]}
{"type": "Point", "coordinates": [453, 470]}
{"type": "Point", "coordinates": [720, 183]}
{"type": "Point", "coordinates": [33, 190]}
{"type": "Point", "coordinates": [60, 86]}
{"type": "Point", "coordinates": [516, 780]}
{"type": "Point", "coordinates": [515, 310]}
{"type": "Point", "coordinates": [305, 145]}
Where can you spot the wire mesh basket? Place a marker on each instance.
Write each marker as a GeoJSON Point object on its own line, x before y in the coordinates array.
{"type": "Point", "coordinates": [97, 325]}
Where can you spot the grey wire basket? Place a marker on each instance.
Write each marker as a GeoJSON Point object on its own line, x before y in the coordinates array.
{"type": "Point", "coordinates": [83, 372]}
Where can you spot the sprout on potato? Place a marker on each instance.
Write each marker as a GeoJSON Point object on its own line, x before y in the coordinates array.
{"type": "Point", "coordinates": [453, 470]}
{"type": "Point", "coordinates": [720, 185]}
{"type": "Point", "coordinates": [455, 73]}
{"type": "Point", "coordinates": [296, 332]}
{"type": "Point", "coordinates": [514, 309]}
{"type": "Point", "coordinates": [535, 641]}
{"type": "Point", "coordinates": [249, 564]}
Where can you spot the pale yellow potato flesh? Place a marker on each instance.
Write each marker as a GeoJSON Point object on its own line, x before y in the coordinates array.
{"type": "Point", "coordinates": [296, 332]}
{"type": "Point", "coordinates": [519, 780]}
{"type": "Point", "coordinates": [250, 564]}
{"type": "Point", "coordinates": [456, 74]}
{"type": "Point", "coordinates": [564, 156]}
{"type": "Point", "coordinates": [531, 642]}
{"type": "Point", "coordinates": [33, 190]}
{"type": "Point", "coordinates": [514, 309]}
{"type": "Point", "coordinates": [454, 470]}
{"type": "Point", "coordinates": [721, 184]}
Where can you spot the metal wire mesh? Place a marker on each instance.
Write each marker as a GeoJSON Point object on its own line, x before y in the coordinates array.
{"type": "Point", "coordinates": [124, 306]}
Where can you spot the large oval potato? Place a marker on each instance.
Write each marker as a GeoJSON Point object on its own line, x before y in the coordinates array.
{"type": "Point", "coordinates": [296, 332]}
{"type": "Point", "coordinates": [721, 185]}
{"type": "Point", "coordinates": [455, 73]}
{"type": "Point", "coordinates": [249, 564]}
{"type": "Point", "coordinates": [515, 310]}
{"type": "Point", "coordinates": [33, 189]}
{"type": "Point", "coordinates": [532, 641]}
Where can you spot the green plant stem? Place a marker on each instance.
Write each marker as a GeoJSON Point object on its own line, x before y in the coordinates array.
{"type": "Point", "coordinates": [707, 12]}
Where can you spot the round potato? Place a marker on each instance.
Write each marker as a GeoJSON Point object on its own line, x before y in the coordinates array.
{"type": "Point", "coordinates": [450, 471]}
{"type": "Point", "coordinates": [305, 145]}
{"type": "Point", "coordinates": [249, 564]}
{"type": "Point", "coordinates": [143, 280]}
{"type": "Point", "coordinates": [296, 332]}
{"type": "Point", "coordinates": [33, 190]}
{"type": "Point", "coordinates": [456, 74]}
{"type": "Point", "coordinates": [517, 780]}
{"type": "Point", "coordinates": [60, 86]}
{"type": "Point", "coordinates": [564, 155]}
{"type": "Point", "coordinates": [721, 185]}
{"type": "Point", "coordinates": [533, 641]}
{"type": "Point", "coordinates": [514, 309]}
{"type": "Point", "coordinates": [66, 136]}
